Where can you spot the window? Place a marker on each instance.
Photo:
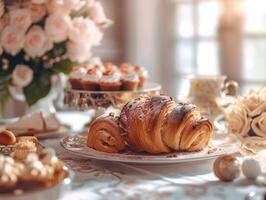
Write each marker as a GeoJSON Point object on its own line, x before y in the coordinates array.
{"type": "Point", "coordinates": [221, 36]}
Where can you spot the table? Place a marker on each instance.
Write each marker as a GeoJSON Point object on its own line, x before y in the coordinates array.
{"type": "Point", "coordinates": [96, 180]}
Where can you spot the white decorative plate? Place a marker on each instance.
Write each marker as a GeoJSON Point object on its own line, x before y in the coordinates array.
{"type": "Point", "coordinates": [221, 144]}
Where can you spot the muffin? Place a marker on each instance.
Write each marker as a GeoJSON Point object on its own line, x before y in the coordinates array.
{"type": "Point", "coordinates": [7, 138]}
{"type": "Point", "coordinates": [110, 81]}
{"type": "Point", "coordinates": [24, 148]}
{"type": "Point", "coordinates": [75, 77]}
{"type": "Point", "coordinates": [90, 81]}
{"type": "Point", "coordinates": [143, 75]}
{"type": "Point", "coordinates": [130, 81]}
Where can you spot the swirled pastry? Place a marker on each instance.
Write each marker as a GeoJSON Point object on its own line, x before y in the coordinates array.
{"type": "Point", "coordinates": [154, 125]}
{"type": "Point", "coordinates": [104, 135]}
{"type": "Point", "coordinates": [159, 125]}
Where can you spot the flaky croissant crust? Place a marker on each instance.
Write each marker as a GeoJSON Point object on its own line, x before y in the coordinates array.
{"type": "Point", "coordinates": [159, 125]}
{"type": "Point", "coordinates": [104, 135]}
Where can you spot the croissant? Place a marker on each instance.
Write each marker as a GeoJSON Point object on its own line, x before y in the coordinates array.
{"type": "Point", "coordinates": [159, 125]}
{"type": "Point", "coordinates": [155, 125]}
{"type": "Point", "coordinates": [104, 135]}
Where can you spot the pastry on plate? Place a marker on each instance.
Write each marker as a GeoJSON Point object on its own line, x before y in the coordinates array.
{"type": "Point", "coordinates": [104, 135]}
{"type": "Point", "coordinates": [37, 171]}
{"type": "Point", "coordinates": [110, 81]}
{"type": "Point", "coordinates": [7, 138]}
{"type": "Point", "coordinates": [34, 123]}
{"type": "Point", "coordinates": [156, 125]}
{"type": "Point", "coordinates": [75, 77]}
{"type": "Point", "coordinates": [130, 80]}
{"type": "Point", "coordinates": [90, 81]}
{"type": "Point", "coordinates": [143, 75]}
{"type": "Point", "coordinates": [23, 148]}
{"type": "Point", "coordinates": [28, 138]}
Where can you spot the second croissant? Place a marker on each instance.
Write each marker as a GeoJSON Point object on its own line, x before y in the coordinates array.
{"type": "Point", "coordinates": [153, 125]}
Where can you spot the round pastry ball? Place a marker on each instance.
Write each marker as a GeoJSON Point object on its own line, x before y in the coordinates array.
{"type": "Point", "coordinates": [251, 168]}
{"type": "Point", "coordinates": [7, 138]}
{"type": "Point", "coordinates": [226, 168]}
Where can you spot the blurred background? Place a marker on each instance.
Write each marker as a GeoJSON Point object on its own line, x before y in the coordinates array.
{"type": "Point", "coordinates": [172, 38]}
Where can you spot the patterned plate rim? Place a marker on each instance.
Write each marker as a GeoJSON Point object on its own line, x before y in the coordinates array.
{"type": "Point", "coordinates": [176, 157]}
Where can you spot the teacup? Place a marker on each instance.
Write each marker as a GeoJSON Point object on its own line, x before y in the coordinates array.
{"type": "Point", "coordinates": [205, 90]}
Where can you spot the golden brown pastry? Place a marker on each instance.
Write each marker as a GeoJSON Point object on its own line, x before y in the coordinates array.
{"type": "Point", "coordinates": [159, 125]}
{"type": "Point", "coordinates": [28, 138]}
{"type": "Point", "coordinates": [104, 135]}
{"type": "Point", "coordinates": [7, 138]}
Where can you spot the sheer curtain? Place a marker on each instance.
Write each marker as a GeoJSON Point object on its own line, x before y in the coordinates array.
{"type": "Point", "coordinates": [214, 37]}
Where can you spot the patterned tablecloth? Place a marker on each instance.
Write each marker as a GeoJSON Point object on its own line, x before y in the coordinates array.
{"type": "Point", "coordinates": [97, 180]}
{"type": "Point", "coordinates": [107, 180]}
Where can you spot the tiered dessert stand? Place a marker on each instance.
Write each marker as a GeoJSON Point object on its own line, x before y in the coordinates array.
{"type": "Point", "coordinates": [101, 101]}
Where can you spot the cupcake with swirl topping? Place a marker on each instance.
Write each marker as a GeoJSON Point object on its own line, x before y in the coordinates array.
{"type": "Point", "coordinates": [90, 81]}
{"type": "Point", "coordinates": [143, 75]}
{"type": "Point", "coordinates": [110, 81]}
{"type": "Point", "coordinates": [130, 80]}
{"type": "Point", "coordinates": [75, 77]}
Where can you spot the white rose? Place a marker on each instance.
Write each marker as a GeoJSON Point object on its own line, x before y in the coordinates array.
{"type": "Point", "coordinates": [259, 125]}
{"type": "Point", "coordinates": [12, 40]}
{"type": "Point", "coordinates": [37, 12]}
{"type": "Point", "coordinates": [97, 13]}
{"type": "Point", "coordinates": [56, 27]}
{"type": "Point", "coordinates": [84, 30]}
{"type": "Point", "coordinates": [254, 104]}
{"type": "Point", "coordinates": [36, 42]}
{"type": "Point", "coordinates": [22, 75]}
{"type": "Point", "coordinates": [78, 52]}
{"type": "Point", "coordinates": [238, 120]}
{"type": "Point", "coordinates": [21, 18]}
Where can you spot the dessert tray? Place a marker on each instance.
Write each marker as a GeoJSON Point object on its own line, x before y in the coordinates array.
{"type": "Point", "coordinates": [85, 100]}
{"type": "Point", "coordinates": [221, 144]}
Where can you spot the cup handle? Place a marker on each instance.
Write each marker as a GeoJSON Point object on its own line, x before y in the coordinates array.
{"type": "Point", "coordinates": [231, 88]}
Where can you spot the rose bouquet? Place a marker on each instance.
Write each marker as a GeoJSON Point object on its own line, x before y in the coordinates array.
{"type": "Point", "coordinates": [42, 38]}
{"type": "Point", "coordinates": [247, 118]}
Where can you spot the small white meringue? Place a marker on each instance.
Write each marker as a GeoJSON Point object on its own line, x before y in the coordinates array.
{"type": "Point", "coordinates": [251, 168]}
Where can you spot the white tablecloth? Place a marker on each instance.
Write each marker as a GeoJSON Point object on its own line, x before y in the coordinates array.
{"type": "Point", "coordinates": [106, 180]}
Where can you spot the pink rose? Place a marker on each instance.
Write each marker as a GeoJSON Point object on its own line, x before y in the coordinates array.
{"type": "Point", "coordinates": [62, 6]}
{"type": "Point", "coordinates": [36, 43]}
{"type": "Point", "coordinates": [84, 30]}
{"type": "Point", "coordinates": [21, 18]}
{"type": "Point", "coordinates": [90, 3]}
{"type": "Point", "coordinates": [78, 52]}
{"type": "Point", "coordinates": [97, 13]}
{"type": "Point", "coordinates": [12, 40]}
{"type": "Point", "coordinates": [56, 27]}
{"type": "Point", "coordinates": [22, 76]}
{"type": "Point", "coordinates": [37, 12]}
{"type": "Point", "coordinates": [72, 4]}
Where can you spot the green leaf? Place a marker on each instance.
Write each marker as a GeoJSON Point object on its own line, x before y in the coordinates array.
{"type": "Point", "coordinates": [38, 89]}
{"type": "Point", "coordinates": [65, 66]}
{"type": "Point", "coordinates": [4, 97]}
